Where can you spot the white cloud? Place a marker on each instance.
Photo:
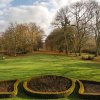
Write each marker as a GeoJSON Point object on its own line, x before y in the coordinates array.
{"type": "Point", "coordinates": [41, 13]}
{"type": "Point", "coordinates": [35, 13]}
{"type": "Point", "coordinates": [3, 25]}
{"type": "Point", "coordinates": [5, 3]}
{"type": "Point", "coordinates": [1, 13]}
{"type": "Point", "coordinates": [58, 3]}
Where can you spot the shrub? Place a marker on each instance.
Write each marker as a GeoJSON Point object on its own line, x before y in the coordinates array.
{"type": "Point", "coordinates": [21, 51]}
{"type": "Point", "coordinates": [2, 57]}
{"type": "Point", "coordinates": [87, 57]}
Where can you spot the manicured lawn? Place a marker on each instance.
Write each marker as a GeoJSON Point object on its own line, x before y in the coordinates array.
{"type": "Point", "coordinates": [42, 64]}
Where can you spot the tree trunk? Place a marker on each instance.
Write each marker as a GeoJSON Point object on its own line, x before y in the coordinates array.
{"type": "Point", "coordinates": [97, 51]}
{"type": "Point", "coordinates": [66, 45]}
{"type": "Point", "coordinates": [79, 51]}
{"type": "Point", "coordinates": [75, 52]}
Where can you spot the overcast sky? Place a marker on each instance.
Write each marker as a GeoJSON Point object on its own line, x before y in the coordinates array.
{"type": "Point", "coordinates": [41, 12]}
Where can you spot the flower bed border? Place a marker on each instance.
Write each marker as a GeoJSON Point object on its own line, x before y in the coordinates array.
{"type": "Point", "coordinates": [10, 94]}
{"type": "Point", "coordinates": [87, 95]}
{"type": "Point", "coordinates": [48, 94]}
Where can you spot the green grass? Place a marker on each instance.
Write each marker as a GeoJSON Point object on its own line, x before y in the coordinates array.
{"type": "Point", "coordinates": [39, 64]}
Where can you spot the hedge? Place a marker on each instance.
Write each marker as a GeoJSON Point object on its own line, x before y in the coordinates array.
{"type": "Point", "coordinates": [10, 94]}
{"type": "Point", "coordinates": [83, 94]}
{"type": "Point", "coordinates": [49, 94]}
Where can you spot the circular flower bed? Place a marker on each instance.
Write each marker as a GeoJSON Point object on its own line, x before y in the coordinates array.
{"type": "Point", "coordinates": [49, 86]}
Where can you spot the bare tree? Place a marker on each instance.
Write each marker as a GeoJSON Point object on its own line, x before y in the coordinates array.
{"type": "Point", "coordinates": [57, 43]}
{"type": "Point", "coordinates": [63, 22]}
{"type": "Point", "coordinates": [10, 39]}
{"type": "Point", "coordinates": [82, 15]}
{"type": "Point", "coordinates": [36, 34]}
{"type": "Point", "coordinates": [95, 26]}
{"type": "Point", "coordinates": [19, 38]}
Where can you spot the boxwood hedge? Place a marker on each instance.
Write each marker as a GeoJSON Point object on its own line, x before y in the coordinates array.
{"type": "Point", "coordinates": [88, 95]}
{"type": "Point", "coordinates": [10, 94]}
{"type": "Point", "coordinates": [49, 94]}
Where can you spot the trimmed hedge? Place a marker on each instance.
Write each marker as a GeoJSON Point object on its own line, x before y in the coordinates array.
{"type": "Point", "coordinates": [48, 94]}
{"type": "Point", "coordinates": [10, 94]}
{"type": "Point", "coordinates": [88, 95]}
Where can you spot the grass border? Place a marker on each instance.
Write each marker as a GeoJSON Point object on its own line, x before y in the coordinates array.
{"type": "Point", "coordinates": [10, 94]}
{"type": "Point", "coordinates": [49, 94]}
{"type": "Point", "coordinates": [87, 95]}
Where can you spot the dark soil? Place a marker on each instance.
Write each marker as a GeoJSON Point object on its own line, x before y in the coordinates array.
{"type": "Point", "coordinates": [6, 86]}
{"type": "Point", "coordinates": [49, 84]}
{"type": "Point", "coordinates": [91, 87]}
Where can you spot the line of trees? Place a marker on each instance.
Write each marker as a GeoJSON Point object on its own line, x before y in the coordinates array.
{"type": "Point", "coordinates": [21, 38]}
{"type": "Point", "coordinates": [76, 25]}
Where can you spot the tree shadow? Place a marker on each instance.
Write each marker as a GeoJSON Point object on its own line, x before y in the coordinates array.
{"type": "Point", "coordinates": [75, 95]}
{"type": "Point", "coordinates": [21, 92]}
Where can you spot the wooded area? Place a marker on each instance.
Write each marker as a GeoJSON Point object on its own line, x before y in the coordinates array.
{"type": "Point", "coordinates": [76, 30]}
{"type": "Point", "coordinates": [21, 38]}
